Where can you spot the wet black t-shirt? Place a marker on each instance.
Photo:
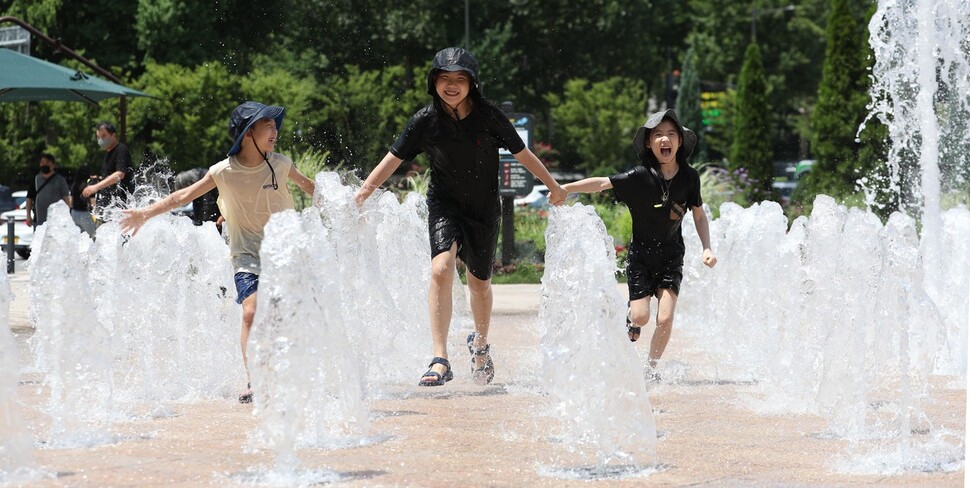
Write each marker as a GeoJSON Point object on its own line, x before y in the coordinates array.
{"type": "Point", "coordinates": [656, 223]}
{"type": "Point", "coordinates": [463, 153]}
{"type": "Point", "coordinates": [117, 159]}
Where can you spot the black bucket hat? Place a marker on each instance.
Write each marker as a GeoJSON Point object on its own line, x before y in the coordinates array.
{"type": "Point", "coordinates": [453, 59]}
{"type": "Point", "coordinates": [688, 137]}
{"type": "Point", "coordinates": [244, 116]}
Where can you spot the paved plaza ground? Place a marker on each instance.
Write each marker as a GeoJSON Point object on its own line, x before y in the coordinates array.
{"type": "Point", "coordinates": [467, 435]}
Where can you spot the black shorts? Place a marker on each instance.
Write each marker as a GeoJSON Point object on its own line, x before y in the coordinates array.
{"type": "Point", "coordinates": [648, 272]}
{"type": "Point", "coordinates": [477, 238]}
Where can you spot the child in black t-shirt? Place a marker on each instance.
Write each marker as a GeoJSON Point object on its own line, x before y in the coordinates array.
{"type": "Point", "coordinates": [658, 194]}
{"type": "Point", "coordinates": [461, 132]}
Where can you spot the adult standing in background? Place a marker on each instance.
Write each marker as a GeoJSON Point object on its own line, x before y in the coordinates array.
{"type": "Point", "coordinates": [47, 188]}
{"type": "Point", "coordinates": [80, 206]}
{"type": "Point", "coordinates": [116, 172]}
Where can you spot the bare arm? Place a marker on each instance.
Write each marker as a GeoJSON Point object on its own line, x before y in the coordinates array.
{"type": "Point", "coordinates": [30, 206]}
{"type": "Point", "coordinates": [589, 185]}
{"type": "Point", "coordinates": [306, 184]}
{"type": "Point", "coordinates": [377, 177]}
{"type": "Point", "coordinates": [112, 179]}
{"type": "Point", "coordinates": [704, 233]}
{"type": "Point", "coordinates": [136, 217]}
{"type": "Point", "coordinates": [557, 194]}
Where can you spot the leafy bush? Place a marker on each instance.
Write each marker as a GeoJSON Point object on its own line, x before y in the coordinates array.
{"type": "Point", "coordinates": [596, 122]}
{"type": "Point", "coordinates": [309, 163]}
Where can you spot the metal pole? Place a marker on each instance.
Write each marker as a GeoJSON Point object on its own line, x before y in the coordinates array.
{"type": "Point", "coordinates": [10, 244]}
{"type": "Point", "coordinates": [508, 210]}
{"type": "Point", "coordinates": [508, 229]}
{"type": "Point", "coordinates": [754, 34]}
{"type": "Point", "coordinates": [467, 26]}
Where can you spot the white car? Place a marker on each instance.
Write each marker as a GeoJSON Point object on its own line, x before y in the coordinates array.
{"type": "Point", "coordinates": [23, 234]}
{"type": "Point", "coordinates": [536, 198]}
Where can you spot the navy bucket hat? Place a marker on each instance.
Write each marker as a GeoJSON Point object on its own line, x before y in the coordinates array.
{"type": "Point", "coordinates": [453, 59]}
{"type": "Point", "coordinates": [244, 116]}
{"type": "Point", "coordinates": [688, 137]}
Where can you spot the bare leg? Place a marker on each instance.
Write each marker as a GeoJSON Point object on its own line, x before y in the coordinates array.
{"type": "Point", "coordinates": [439, 301]}
{"type": "Point", "coordinates": [639, 315]}
{"type": "Point", "coordinates": [249, 312]}
{"type": "Point", "coordinates": [665, 323]}
{"type": "Point", "coordinates": [481, 304]}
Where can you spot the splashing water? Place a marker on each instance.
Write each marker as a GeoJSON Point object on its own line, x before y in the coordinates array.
{"type": "Point", "coordinates": [16, 458]}
{"type": "Point", "coordinates": [593, 377]}
{"type": "Point", "coordinates": [340, 313]}
{"type": "Point", "coordinates": [921, 78]}
{"type": "Point", "coordinates": [830, 318]}
{"type": "Point", "coordinates": [125, 328]}
{"type": "Point", "coordinates": [308, 391]}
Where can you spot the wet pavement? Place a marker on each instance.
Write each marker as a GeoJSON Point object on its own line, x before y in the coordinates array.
{"type": "Point", "coordinates": [463, 434]}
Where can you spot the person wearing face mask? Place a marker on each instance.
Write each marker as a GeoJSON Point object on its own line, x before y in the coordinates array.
{"type": "Point", "coordinates": [47, 188]}
{"type": "Point", "coordinates": [116, 172]}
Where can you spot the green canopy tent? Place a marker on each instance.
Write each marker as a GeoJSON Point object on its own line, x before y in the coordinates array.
{"type": "Point", "coordinates": [24, 78]}
{"type": "Point", "coordinates": [61, 48]}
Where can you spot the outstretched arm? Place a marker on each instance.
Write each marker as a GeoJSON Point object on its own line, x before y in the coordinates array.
{"type": "Point", "coordinates": [306, 184]}
{"type": "Point", "coordinates": [377, 177]}
{"type": "Point", "coordinates": [557, 194]}
{"type": "Point", "coordinates": [704, 232]}
{"type": "Point", "coordinates": [589, 185]}
{"type": "Point", "coordinates": [136, 217]}
{"type": "Point", "coordinates": [110, 180]}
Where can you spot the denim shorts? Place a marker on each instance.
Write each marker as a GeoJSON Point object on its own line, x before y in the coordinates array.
{"type": "Point", "coordinates": [246, 284]}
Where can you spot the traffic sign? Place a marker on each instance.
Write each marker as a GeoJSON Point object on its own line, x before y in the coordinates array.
{"type": "Point", "coordinates": [513, 178]}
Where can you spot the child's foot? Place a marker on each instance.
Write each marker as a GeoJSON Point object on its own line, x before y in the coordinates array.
{"type": "Point", "coordinates": [483, 370]}
{"type": "Point", "coordinates": [247, 397]}
{"type": "Point", "coordinates": [631, 331]}
{"type": "Point", "coordinates": [439, 373]}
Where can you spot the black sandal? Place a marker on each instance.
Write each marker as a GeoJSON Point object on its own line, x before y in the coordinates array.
{"type": "Point", "coordinates": [631, 331]}
{"type": "Point", "coordinates": [486, 373]}
{"type": "Point", "coordinates": [248, 396]}
{"type": "Point", "coordinates": [434, 378]}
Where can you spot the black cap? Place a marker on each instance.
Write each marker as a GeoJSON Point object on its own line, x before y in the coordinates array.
{"type": "Point", "coordinates": [244, 116]}
{"type": "Point", "coordinates": [453, 59]}
{"type": "Point", "coordinates": [687, 136]}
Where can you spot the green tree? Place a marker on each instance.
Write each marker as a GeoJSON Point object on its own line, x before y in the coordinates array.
{"type": "Point", "coordinates": [363, 112]}
{"type": "Point", "coordinates": [792, 50]}
{"type": "Point", "coordinates": [688, 105]}
{"type": "Point", "coordinates": [842, 99]}
{"type": "Point", "coordinates": [596, 123]}
{"type": "Point", "coordinates": [751, 154]}
{"type": "Point", "coordinates": [188, 122]}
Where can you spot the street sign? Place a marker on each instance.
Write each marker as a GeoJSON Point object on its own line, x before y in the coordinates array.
{"type": "Point", "coordinates": [513, 178]}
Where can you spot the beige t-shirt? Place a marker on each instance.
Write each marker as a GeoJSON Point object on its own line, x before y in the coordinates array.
{"type": "Point", "coordinates": [246, 200]}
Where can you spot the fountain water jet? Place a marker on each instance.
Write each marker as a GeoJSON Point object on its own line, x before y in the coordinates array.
{"type": "Point", "coordinates": [593, 377]}
{"type": "Point", "coordinates": [16, 457]}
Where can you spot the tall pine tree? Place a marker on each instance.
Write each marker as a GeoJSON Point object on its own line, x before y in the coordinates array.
{"type": "Point", "coordinates": [751, 154]}
{"type": "Point", "coordinates": [842, 99]}
{"type": "Point", "coordinates": [688, 105]}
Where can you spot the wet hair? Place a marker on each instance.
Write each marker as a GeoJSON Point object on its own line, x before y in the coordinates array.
{"type": "Point", "coordinates": [49, 157]}
{"type": "Point", "coordinates": [108, 126]}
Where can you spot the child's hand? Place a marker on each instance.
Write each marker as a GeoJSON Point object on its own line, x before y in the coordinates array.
{"type": "Point", "coordinates": [709, 259]}
{"type": "Point", "coordinates": [557, 195]}
{"type": "Point", "coordinates": [132, 221]}
{"type": "Point", "coordinates": [359, 197]}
